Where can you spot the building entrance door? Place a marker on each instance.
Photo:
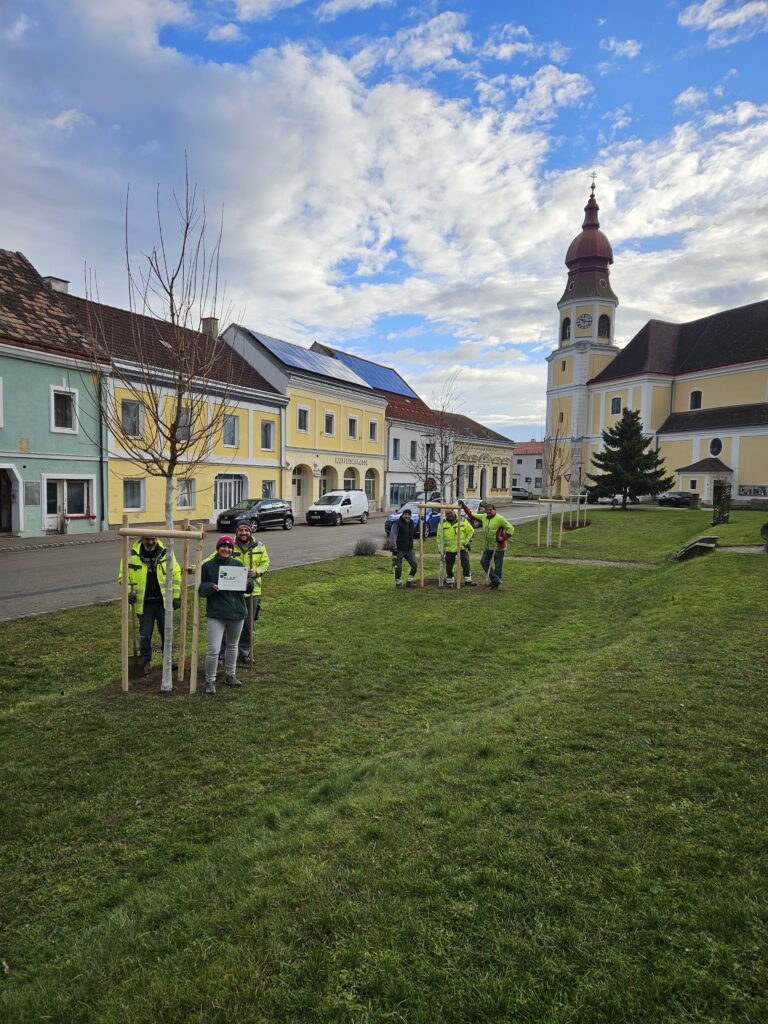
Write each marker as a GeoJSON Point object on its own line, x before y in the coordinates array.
{"type": "Point", "coordinates": [227, 491]}
{"type": "Point", "coordinates": [6, 498]}
{"type": "Point", "coordinates": [54, 506]}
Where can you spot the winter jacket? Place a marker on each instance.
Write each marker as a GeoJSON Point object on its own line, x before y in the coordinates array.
{"type": "Point", "coordinates": [254, 556]}
{"type": "Point", "coordinates": [228, 605]}
{"type": "Point", "coordinates": [138, 571]}
{"type": "Point", "coordinates": [447, 531]}
{"type": "Point", "coordinates": [489, 526]}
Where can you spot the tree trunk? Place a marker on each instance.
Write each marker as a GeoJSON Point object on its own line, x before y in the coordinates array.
{"type": "Point", "coordinates": [167, 683]}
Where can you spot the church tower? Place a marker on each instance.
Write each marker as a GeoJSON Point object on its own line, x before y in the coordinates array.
{"type": "Point", "coordinates": [585, 331]}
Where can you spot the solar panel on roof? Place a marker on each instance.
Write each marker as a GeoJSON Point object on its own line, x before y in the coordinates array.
{"type": "Point", "coordinates": [376, 375]}
{"type": "Point", "coordinates": [313, 362]}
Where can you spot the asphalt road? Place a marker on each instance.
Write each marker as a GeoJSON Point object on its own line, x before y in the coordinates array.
{"type": "Point", "coordinates": [49, 579]}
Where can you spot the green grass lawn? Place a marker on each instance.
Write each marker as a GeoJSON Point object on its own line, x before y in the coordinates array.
{"type": "Point", "coordinates": [541, 804]}
{"type": "Point", "coordinates": [637, 534]}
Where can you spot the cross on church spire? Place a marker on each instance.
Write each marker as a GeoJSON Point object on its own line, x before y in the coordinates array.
{"type": "Point", "coordinates": [594, 176]}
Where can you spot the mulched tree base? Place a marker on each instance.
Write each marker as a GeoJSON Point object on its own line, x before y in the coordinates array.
{"type": "Point", "coordinates": [573, 526]}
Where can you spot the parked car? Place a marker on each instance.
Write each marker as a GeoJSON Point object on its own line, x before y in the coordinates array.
{"type": "Point", "coordinates": [259, 512]}
{"type": "Point", "coordinates": [431, 523]}
{"type": "Point", "coordinates": [676, 499]}
{"type": "Point", "coordinates": [617, 499]}
{"type": "Point", "coordinates": [474, 504]}
{"type": "Point", "coordinates": [337, 507]}
{"type": "Point", "coordinates": [520, 493]}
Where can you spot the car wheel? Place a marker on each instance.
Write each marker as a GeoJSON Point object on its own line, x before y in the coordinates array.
{"type": "Point", "coordinates": [364, 517]}
{"type": "Point", "coordinates": [255, 524]}
{"type": "Point", "coordinates": [338, 520]}
{"type": "Point", "coordinates": [288, 523]}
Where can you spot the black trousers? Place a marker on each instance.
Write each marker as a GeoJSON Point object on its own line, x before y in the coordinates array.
{"type": "Point", "coordinates": [450, 562]}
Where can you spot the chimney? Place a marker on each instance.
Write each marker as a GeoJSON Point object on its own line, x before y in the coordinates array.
{"type": "Point", "coordinates": [57, 284]}
{"type": "Point", "coordinates": [210, 325]}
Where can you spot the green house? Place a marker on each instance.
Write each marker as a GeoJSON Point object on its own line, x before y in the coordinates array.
{"type": "Point", "coordinates": [52, 465]}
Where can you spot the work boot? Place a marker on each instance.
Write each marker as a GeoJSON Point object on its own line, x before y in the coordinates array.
{"type": "Point", "coordinates": [449, 583]}
{"type": "Point", "coordinates": [469, 583]}
{"type": "Point", "coordinates": [147, 666]}
{"type": "Point", "coordinates": [399, 584]}
{"type": "Point", "coordinates": [232, 681]}
{"type": "Point", "coordinates": [210, 689]}
{"type": "Point", "coordinates": [410, 582]}
{"type": "Point", "coordinates": [495, 584]}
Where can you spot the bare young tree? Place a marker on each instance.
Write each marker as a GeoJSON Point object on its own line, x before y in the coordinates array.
{"type": "Point", "coordinates": [177, 383]}
{"type": "Point", "coordinates": [439, 448]}
{"type": "Point", "coordinates": [556, 462]}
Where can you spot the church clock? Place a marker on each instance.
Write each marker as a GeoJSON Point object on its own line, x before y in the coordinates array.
{"type": "Point", "coordinates": [584, 321]}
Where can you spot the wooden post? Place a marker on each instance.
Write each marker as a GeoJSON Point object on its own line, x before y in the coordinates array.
{"type": "Point", "coordinates": [184, 603]}
{"type": "Point", "coordinates": [538, 524]}
{"type": "Point", "coordinates": [560, 538]}
{"type": "Point", "coordinates": [196, 618]}
{"type": "Point", "coordinates": [125, 608]}
{"type": "Point", "coordinates": [422, 524]}
{"type": "Point", "coordinates": [458, 574]}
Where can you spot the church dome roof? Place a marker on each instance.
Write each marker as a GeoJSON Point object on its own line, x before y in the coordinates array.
{"type": "Point", "coordinates": [591, 244]}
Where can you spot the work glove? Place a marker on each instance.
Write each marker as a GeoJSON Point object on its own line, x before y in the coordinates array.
{"type": "Point", "coordinates": [176, 603]}
{"type": "Point", "coordinates": [132, 598]}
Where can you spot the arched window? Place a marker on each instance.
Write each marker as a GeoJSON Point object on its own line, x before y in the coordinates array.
{"type": "Point", "coordinates": [370, 485]}
{"type": "Point", "coordinates": [695, 400]}
{"type": "Point", "coordinates": [715, 446]}
{"type": "Point", "coordinates": [565, 333]}
{"type": "Point", "coordinates": [350, 480]}
{"type": "Point", "coordinates": [604, 326]}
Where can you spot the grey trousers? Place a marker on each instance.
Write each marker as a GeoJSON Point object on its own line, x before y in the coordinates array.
{"type": "Point", "coordinates": [217, 630]}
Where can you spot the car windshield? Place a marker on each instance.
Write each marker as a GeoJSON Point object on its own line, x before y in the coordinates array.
{"type": "Point", "coordinates": [245, 505]}
{"type": "Point", "coordinates": [411, 506]}
{"type": "Point", "coordinates": [329, 499]}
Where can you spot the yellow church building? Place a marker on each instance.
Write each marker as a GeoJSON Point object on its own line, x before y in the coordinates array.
{"type": "Point", "coordinates": [701, 388]}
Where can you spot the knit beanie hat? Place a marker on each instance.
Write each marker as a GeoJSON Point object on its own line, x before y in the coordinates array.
{"type": "Point", "coordinates": [226, 539]}
{"type": "Point", "coordinates": [244, 526]}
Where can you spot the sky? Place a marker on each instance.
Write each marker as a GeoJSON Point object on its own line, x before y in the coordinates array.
{"type": "Point", "coordinates": [399, 181]}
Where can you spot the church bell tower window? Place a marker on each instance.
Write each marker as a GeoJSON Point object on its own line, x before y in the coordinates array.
{"type": "Point", "coordinates": [604, 326]}
{"type": "Point", "coordinates": [565, 333]}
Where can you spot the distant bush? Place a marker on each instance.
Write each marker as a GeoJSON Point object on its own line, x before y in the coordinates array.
{"type": "Point", "coordinates": [365, 546]}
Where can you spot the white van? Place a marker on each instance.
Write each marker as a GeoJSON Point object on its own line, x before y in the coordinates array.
{"type": "Point", "coordinates": [337, 507]}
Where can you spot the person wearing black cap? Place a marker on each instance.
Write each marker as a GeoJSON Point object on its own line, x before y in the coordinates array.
{"type": "Point", "coordinates": [226, 613]}
{"type": "Point", "coordinates": [401, 535]}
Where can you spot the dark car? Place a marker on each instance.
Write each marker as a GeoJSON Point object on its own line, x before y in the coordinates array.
{"type": "Point", "coordinates": [432, 520]}
{"type": "Point", "coordinates": [676, 499]}
{"type": "Point", "coordinates": [260, 513]}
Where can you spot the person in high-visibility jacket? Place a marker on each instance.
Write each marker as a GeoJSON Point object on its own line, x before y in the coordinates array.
{"type": "Point", "coordinates": [146, 579]}
{"type": "Point", "coordinates": [253, 554]}
{"type": "Point", "coordinates": [447, 541]}
{"type": "Point", "coordinates": [496, 532]}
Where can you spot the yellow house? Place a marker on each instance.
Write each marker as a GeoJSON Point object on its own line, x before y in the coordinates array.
{"type": "Point", "coordinates": [238, 416]}
{"type": "Point", "coordinates": [701, 388]}
{"type": "Point", "coordinates": [335, 421]}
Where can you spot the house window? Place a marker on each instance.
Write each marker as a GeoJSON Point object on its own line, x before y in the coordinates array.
{"type": "Point", "coordinates": [78, 502]}
{"type": "Point", "coordinates": [31, 492]}
{"type": "Point", "coordinates": [184, 429]}
{"type": "Point", "coordinates": [537, 483]}
{"type": "Point", "coordinates": [329, 424]}
{"type": "Point", "coordinates": [414, 450]}
{"type": "Point", "coordinates": [64, 410]}
{"type": "Point", "coordinates": [373, 430]}
{"type": "Point", "coordinates": [430, 452]}
{"type": "Point", "coordinates": [604, 326]}
{"type": "Point", "coordinates": [471, 477]}
{"type": "Point", "coordinates": [350, 480]}
{"type": "Point", "coordinates": [695, 402]}
{"type": "Point", "coordinates": [131, 418]}
{"type": "Point", "coordinates": [495, 478]}
{"type": "Point", "coordinates": [395, 449]}
{"type": "Point", "coordinates": [715, 446]}
{"type": "Point", "coordinates": [231, 431]}
{"type": "Point", "coordinates": [615, 406]}
{"type": "Point", "coordinates": [185, 497]}
{"type": "Point", "coordinates": [267, 435]}
{"type": "Point", "coordinates": [562, 366]}
{"type": "Point", "coordinates": [515, 481]}
{"type": "Point", "coordinates": [693, 485]}
{"type": "Point", "coordinates": [268, 488]}
{"type": "Point", "coordinates": [370, 485]}
{"type": "Point", "coordinates": [133, 495]}
{"type": "Point", "coordinates": [352, 428]}
{"type": "Point", "coordinates": [302, 419]}
{"type": "Point", "coordinates": [562, 417]}
{"type": "Point", "coordinates": [565, 333]}
{"type": "Point", "coordinates": [519, 462]}
{"type": "Point", "coordinates": [539, 463]}
{"type": "Point", "coordinates": [503, 478]}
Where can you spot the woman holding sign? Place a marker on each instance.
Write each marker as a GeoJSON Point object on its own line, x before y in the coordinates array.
{"type": "Point", "coordinates": [224, 584]}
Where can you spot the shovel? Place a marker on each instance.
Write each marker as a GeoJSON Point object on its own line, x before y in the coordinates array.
{"type": "Point", "coordinates": [135, 663]}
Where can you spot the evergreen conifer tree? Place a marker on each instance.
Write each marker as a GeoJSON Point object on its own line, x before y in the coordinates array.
{"type": "Point", "coordinates": [626, 466]}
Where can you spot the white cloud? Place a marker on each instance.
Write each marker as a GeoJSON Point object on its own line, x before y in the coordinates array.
{"type": "Point", "coordinates": [68, 120]}
{"type": "Point", "coordinates": [133, 23]}
{"type": "Point", "coordinates": [331, 9]}
{"type": "Point", "coordinates": [621, 48]}
{"type": "Point", "coordinates": [726, 21]}
{"type": "Point", "coordinates": [16, 32]}
{"type": "Point", "coordinates": [691, 97]}
{"type": "Point", "coordinates": [255, 10]}
{"type": "Point", "coordinates": [512, 40]}
{"type": "Point", "coordinates": [228, 33]}
{"type": "Point", "coordinates": [547, 90]}
{"type": "Point", "coordinates": [434, 45]}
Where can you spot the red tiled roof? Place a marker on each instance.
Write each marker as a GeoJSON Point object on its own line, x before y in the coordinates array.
{"type": "Point", "coordinates": [133, 337]}
{"type": "Point", "coordinates": [410, 410]}
{"type": "Point", "coordinates": [529, 448]}
{"type": "Point", "coordinates": [464, 426]}
{"type": "Point", "coordinates": [30, 312]}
